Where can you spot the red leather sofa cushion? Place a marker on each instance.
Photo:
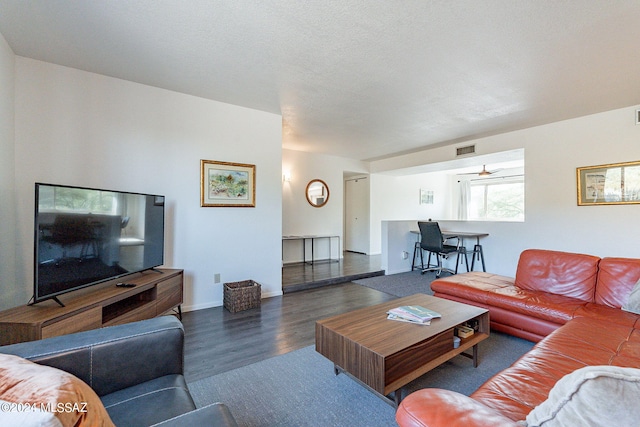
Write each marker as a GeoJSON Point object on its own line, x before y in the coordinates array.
{"type": "Point", "coordinates": [582, 342]}
{"type": "Point", "coordinates": [437, 407]}
{"type": "Point", "coordinates": [604, 313]}
{"type": "Point", "coordinates": [616, 278]}
{"type": "Point", "coordinates": [474, 286]}
{"type": "Point", "coordinates": [499, 291]}
{"type": "Point", "coordinates": [559, 273]}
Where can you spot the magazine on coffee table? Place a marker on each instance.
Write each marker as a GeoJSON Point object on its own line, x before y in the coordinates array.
{"type": "Point", "coordinates": [413, 313]}
{"type": "Point", "coordinates": [400, 319]}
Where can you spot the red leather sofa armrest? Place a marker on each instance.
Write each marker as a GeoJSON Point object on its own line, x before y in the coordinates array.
{"type": "Point", "coordinates": [432, 407]}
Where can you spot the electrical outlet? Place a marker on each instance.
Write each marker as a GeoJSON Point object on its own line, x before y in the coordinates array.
{"type": "Point", "coordinates": [405, 255]}
{"type": "Point", "coordinates": [216, 278]}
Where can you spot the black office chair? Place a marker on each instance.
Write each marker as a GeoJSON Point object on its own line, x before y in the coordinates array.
{"type": "Point", "coordinates": [431, 240]}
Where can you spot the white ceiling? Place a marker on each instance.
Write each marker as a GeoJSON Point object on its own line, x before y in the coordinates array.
{"type": "Point", "coordinates": [360, 79]}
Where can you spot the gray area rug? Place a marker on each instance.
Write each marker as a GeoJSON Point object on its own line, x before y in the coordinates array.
{"type": "Point", "coordinates": [401, 284]}
{"type": "Point", "coordinates": [300, 388]}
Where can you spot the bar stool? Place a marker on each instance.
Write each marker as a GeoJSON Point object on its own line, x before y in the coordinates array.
{"type": "Point", "coordinates": [417, 248]}
{"type": "Point", "coordinates": [477, 252]}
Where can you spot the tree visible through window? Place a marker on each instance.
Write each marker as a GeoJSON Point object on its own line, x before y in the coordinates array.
{"type": "Point", "coordinates": [497, 200]}
{"type": "Point", "coordinates": [77, 199]}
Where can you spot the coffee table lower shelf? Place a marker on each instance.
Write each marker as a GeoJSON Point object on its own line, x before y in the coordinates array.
{"type": "Point", "coordinates": [393, 396]}
{"type": "Point", "coordinates": [384, 355]}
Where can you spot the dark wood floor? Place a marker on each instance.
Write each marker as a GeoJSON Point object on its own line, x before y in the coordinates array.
{"type": "Point", "coordinates": [217, 340]}
{"type": "Point", "coordinates": [352, 266]}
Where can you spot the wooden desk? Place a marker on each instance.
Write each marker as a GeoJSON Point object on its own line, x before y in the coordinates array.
{"type": "Point", "coordinates": [477, 247]}
{"type": "Point", "coordinates": [313, 237]}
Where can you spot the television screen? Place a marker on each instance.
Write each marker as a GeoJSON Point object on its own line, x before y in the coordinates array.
{"type": "Point", "coordinates": [85, 236]}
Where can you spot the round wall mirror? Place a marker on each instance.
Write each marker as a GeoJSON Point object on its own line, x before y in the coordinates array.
{"type": "Point", "coordinates": [317, 193]}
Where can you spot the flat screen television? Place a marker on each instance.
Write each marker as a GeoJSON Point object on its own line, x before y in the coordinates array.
{"type": "Point", "coordinates": [85, 236]}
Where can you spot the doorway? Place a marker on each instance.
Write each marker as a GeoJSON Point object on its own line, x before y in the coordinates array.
{"type": "Point", "coordinates": [356, 214]}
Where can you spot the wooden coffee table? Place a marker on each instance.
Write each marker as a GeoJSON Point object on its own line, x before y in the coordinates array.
{"type": "Point", "coordinates": [385, 355]}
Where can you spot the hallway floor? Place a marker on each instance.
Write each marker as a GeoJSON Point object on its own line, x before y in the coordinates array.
{"type": "Point", "coordinates": [300, 276]}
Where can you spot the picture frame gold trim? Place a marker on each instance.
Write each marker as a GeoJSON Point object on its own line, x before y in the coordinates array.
{"type": "Point", "coordinates": [610, 184]}
{"type": "Point", "coordinates": [227, 184]}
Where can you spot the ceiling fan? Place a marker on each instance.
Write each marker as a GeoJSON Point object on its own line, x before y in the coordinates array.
{"type": "Point", "coordinates": [483, 172]}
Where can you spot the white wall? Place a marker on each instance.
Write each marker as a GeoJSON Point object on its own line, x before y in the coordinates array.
{"type": "Point", "coordinates": [298, 216]}
{"type": "Point", "coordinates": [552, 218]}
{"type": "Point", "coordinates": [397, 198]}
{"type": "Point", "coordinates": [79, 128]}
{"type": "Point", "coordinates": [8, 289]}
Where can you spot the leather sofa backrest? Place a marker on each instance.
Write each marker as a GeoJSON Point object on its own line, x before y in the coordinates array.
{"type": "Point", "coordinates": [113, 358]}
{"type": "Point", "coordinates": [561, 273]}
{"type": "Point", "coordinates": [616, 278]}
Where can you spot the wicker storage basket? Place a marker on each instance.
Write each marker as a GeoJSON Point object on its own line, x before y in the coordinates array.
{"type": "Point", "coordinates": [242, 295]}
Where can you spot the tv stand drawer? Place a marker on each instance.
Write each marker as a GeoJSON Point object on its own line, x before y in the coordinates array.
{"type": "Point", "coordinates": [169, 294]}
{"type": "Point", "coordinates": [84, 321]}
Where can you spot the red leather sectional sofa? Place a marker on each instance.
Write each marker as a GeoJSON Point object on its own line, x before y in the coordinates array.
{"type": "Point", "coordinates": [575, 299]}
{"type": "Point", "coordinates": [550, 288]}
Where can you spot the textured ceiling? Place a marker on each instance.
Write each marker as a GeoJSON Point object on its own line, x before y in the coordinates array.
{"type": "Point", "coordinates": [360, 79]}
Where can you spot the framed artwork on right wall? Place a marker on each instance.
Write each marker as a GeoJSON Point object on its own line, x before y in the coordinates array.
{"type": "Point", "coordinates": [612, 184]}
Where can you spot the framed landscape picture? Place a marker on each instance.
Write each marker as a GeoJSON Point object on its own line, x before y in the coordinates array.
{"type": "Point", "coordinates": [613, 184]}
{"type": "Point", "coordinates": [225, 184]}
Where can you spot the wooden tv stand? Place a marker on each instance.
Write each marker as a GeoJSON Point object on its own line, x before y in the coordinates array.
{"type": "Point", "coordinates": [156, 292]}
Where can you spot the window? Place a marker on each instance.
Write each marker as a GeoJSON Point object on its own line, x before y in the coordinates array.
{"type": "Point", "coordinates": [497, 199]}
{"type": "Point", "coordinates": [77, 199]}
